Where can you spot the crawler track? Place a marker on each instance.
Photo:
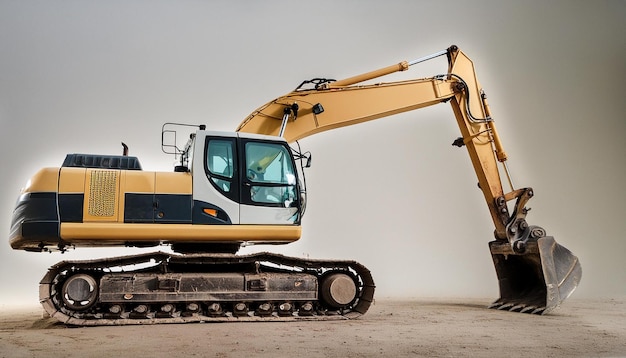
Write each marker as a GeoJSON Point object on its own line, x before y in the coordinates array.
{"type": "Point", "coordinates": [159, 288]}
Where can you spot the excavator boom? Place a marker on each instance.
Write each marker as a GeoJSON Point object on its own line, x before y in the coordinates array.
{"type": "Point", "coordinates": [535, 273]}
{"type": "Point", "coordinates": [331, 105]}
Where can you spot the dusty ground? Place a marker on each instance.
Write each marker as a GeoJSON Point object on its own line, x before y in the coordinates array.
{"type": "Point", "coordinates": [392, 328]}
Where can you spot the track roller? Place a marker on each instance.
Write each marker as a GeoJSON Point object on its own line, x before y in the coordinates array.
{"type": "Point", "coordinates": [215, 309]}
{"type": "Point", "coordinates": [240, 309]}
{"type": "Point", "coordinates": [264, 309]}
{"type": "Point", "coordinates": [285, 309]}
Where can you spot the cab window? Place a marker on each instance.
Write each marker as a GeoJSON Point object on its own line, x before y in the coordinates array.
{"type": "Point", "coordinates": [270, 171]}
{"type": "Point", "coordinates": [220, 163]}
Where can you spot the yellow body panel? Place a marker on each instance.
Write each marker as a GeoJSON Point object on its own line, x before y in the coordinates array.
{"type": "Point", "coordinates": [72, 180]}
{"type": "Point", "coordinates": [118, 233]}
{"type": "Point", "coordinates": [135, 181]}
{"type": "Point", "coordinates": [45, 180]}
{"type": "Point", "coordinates": [173, 183]}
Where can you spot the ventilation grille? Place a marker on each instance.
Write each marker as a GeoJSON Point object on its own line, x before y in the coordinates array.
{"type": "Point", "coordinates": [102, 190]}
{"type": "Point", "coordinates": [101, 161]}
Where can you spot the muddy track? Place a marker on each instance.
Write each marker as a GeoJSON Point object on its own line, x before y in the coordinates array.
{"type": "Point", "coordinates": [160, 288]}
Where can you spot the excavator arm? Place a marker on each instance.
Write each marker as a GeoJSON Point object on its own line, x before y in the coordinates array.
{"type": "Point", "coordinates": [535, 273]}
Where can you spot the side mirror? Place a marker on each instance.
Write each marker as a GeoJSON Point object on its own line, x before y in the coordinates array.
{"type": "Point", "coordinates": [308, 161]}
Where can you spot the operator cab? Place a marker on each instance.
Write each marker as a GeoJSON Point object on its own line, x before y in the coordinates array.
{"type": "Point", "coordinates": [241, 178]}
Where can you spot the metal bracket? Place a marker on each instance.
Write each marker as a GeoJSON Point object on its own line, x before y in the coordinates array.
{"type": "Point", "coordinates": [518, 231]}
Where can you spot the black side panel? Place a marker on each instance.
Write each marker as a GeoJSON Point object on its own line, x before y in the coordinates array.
{"type": "Point", "coordinates": [36, 218]}
{"type": "Point", "coordinates": [201, 217]}
{"type": "Point", "coordinates": [173, 208]}
{"type": "Point", "coordinates": [159, 208]}
{"type": "Point", "coordinates": [71, 207]}
{"type": "Point", "coordinates": [139, 208]}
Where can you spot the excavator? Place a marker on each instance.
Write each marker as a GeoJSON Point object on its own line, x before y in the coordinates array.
{"type": "Point", "coordinates": [247, 187]}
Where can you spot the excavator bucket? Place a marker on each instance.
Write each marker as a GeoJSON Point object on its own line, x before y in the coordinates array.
{"type": "Point", "coordinates": [535, 281]}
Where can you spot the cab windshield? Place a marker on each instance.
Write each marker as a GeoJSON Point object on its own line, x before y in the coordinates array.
{"type": "Point", "coordinates": [270, 170]}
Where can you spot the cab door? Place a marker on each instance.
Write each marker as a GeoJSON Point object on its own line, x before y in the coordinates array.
{"type": "Point", "coordinates": [269, 192]}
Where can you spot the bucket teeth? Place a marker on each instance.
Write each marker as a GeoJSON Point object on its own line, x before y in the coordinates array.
{"type": "Point", "coordinates": [539, 310]}
{"type": "Point", "coordinates": [505, 306]}
{"type": "Point", "coordinates": [528, 309]}
{"type": "Point", "coordinates": [516, 307]}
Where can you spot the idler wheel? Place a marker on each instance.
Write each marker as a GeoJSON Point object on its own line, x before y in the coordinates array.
{"type": "Point", "coordinates": [80, 292]}
{"type": "Point", "coordinates": [338, 290]}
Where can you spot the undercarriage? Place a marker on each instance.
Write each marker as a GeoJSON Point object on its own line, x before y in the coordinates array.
{"type": "Point", "coordinates": [169, 288]}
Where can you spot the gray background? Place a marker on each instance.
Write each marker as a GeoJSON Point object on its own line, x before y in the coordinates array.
{"type": "Point", "coordinates": [81, 76]}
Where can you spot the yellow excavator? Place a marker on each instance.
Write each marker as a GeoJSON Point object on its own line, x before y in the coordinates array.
{"type": "Point", "coordinates": [247, 187]}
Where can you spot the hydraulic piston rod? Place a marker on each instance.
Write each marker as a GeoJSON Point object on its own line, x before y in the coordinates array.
{"type": "Point", "coordinates": [402, 66]}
